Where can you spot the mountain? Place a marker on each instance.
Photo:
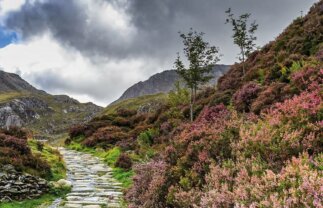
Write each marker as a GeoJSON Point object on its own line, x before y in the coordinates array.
{"type": "Point", "coordinates": [164, 82]}
{"type": "Point", "coordinates": [46, 115]}
{"type": "Point", "coordinates": [10, 82]}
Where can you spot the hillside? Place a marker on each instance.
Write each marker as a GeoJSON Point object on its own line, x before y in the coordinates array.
{"type": "Point", "coordinates": [164, 82]}
{"type": "Point", "coordinates": [256, 140]}
{"type": "Point", "coordinates": [46, 115]}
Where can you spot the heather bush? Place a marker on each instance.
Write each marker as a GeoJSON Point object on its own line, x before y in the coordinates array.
{"type": "Point", "coordinates": [126, 112]}
{"type": "Point", "coordinates": [15, 151]}
{"type": "Point", "coordinates": [86, 130]}
{"type": "Point", "coordinates": [302, 79]}
{"type": "Point", "coordinates": [297, 185]}
{"type": "Point", "coordinates": [121, 121]}
{"type": "Point", "coordinates": [76, 131]}
{"type": "Point", "coordinates": [124, 161]}
{"type": "Point", "coordinates": [16, 132]}
{"type": "Point", "coordinates": [15, 143]}
{"type": "Point", "coordinates": [148, 188]}
{"type": "Point", "coordinates": [272, 94]}
{"type": "Point", "coordinates": [243, 98]}
{"type": "Point", "coordinates": [223, 97]}
{"type": "Point", "coordinates": [287, 129]}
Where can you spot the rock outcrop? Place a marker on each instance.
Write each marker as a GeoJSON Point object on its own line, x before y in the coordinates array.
{"type": "Point", "coordinates": [21, 111]}
{"type": "Point", "coordinates": [18, 186]}
{"type": "Point", "coordinates": [23, 105]}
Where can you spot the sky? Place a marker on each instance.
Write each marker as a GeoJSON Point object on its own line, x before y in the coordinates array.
{"type": "Point", "coordinates": [93, 50]}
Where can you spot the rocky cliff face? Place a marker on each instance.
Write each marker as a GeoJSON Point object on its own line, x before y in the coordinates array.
{"type": "Point", "coordinates": [47, 115]}
{"type": "Point", "coordinates": [164, 82]}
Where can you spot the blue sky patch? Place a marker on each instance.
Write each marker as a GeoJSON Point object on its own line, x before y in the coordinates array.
{"type": "Point", "coordinates": [7, 37]}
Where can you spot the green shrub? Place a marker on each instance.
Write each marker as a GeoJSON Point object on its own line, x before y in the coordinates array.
{"type": "Point", "coordinates": [146, 138]}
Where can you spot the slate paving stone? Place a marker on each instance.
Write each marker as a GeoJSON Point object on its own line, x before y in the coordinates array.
{"type": "Point", "coordinates": [93, 184]}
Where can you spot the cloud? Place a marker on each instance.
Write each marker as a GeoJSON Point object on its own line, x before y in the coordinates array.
{"type": "Point", "coordinates": [95, 49]}
{"type": "Point", "coordinates": [49, 66]}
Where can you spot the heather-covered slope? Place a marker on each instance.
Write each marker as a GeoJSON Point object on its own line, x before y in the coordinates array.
{"type": "Point", "coordinates": [256, 140]}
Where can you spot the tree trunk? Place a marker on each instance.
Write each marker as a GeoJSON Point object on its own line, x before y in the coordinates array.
{"type": "Point", "coordinates": [191, 105]}
{"type": "Point", "coordinates": [243, 59]}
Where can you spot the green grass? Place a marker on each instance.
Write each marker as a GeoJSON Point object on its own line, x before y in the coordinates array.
{"type": "Point", "coordinates": [134, 103]}
{"type": "Point", "coordinates": [6, 96]}
{"type": "Point", "coordinates": [109, 157]}
{"type": "Point", "coordinates": [43, 201]}
{"type": "Point", "coordinates": [52, 157]}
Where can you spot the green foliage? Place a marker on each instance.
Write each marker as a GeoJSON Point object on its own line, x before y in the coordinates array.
{"type": "Point", "coordinates": [243, 34]}
{"type": "Point", "coordinates": [124, 177]}
{"type": "Point", "coordinates": [111, 156]}
{"type": "Point", "coordinates": [146, 138]}
{"type": "Point", "coordinates": [201, 57]}
{"type": "Point", "coordinates": [178, 96]}
{"type": "Point", "coordinates": [287, 71]}
{"type": "Point", "coordinates": [261, 76]}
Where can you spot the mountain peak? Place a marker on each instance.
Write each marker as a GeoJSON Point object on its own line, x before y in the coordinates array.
{"type": "Point", "coordinates": [10, 82]}
{"type": "Point", "coordinates": [163, 82]}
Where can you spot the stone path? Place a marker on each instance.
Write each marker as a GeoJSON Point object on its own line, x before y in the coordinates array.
{"type": "Point", "coordinates": [93, 185]}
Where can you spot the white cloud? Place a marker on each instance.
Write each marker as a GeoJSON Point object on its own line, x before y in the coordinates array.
{"type": "Point", "coordinates": [51, 67]}
{"type": "Point", "coordinates": [9, 5]}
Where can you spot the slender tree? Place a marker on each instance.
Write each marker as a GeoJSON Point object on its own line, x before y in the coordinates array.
{"type": "Point", "coordinates": [243, 34]}
{"type": "Point", "coordinates": [201, 58]}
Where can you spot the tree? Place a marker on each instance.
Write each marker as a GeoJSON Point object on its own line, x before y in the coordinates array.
{"type": "Point", "coordinates": [243, 35]}
{"type": "Point", "coordinates": [201, 58]}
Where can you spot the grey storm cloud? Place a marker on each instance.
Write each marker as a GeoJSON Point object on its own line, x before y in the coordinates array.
{"type": "Point", "coordinates": [153, 35]}
{"type": "Point", "coordinates": [156, 21]}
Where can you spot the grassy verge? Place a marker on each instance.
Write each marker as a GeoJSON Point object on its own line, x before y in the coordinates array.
{"type": "Point", "coordinates": [109, 157]}
{"type": "Point", "coordinates": [52, 157]}
{"type": "Point", "coordinates": [43, 201]}
{"type": "Point", "coordinates": [58, 170]}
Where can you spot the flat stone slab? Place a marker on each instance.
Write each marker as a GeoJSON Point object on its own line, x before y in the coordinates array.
{"type": "Point", "coordinates": [93, 184]}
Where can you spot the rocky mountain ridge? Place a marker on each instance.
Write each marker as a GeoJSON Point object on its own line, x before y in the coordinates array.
{"type": "Point", "coordinates": [163, 82]}
{"type": "Point", "coordinates": [10, 82]}
{"type": "Point", "coordinates": [46, 115]}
